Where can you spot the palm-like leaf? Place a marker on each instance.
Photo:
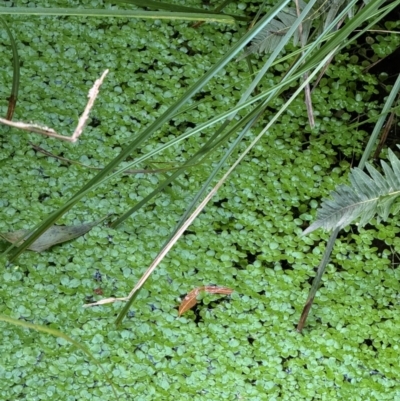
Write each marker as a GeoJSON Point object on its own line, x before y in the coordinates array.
{"type": "Point", "coordinates": [366, 196]}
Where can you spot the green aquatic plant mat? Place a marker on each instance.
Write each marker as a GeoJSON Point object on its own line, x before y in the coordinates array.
{"type": "Point", "coordinates": [59, 334]}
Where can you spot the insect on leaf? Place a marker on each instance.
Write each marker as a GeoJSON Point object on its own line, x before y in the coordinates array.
{"type": "Point", "coordinates": [190, 299]}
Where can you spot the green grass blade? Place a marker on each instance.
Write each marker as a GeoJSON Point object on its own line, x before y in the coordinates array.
{"type": "Point", "coordinates": [81, 12]}
{"type": "Point", "coordinates": [158, 5]}
{"type": "Point", "coordinates": [278, 50]}
{"type": "Point", "coordinates": [195, 130]}
{"type": "Point", "coordinates": [340, 38]}
{"type": "Point", "coordinates": [226, 175]}
{"type": "Point", "coordinates": [203, 153]}
{"type": "Point", "coordinates": [379, 124]}
{"type": "Point", "coordinates": [249, 120]}
{"type": "Point", "coordinates": [317, 280]}
{"type": "Point", "coordinates": [100, 178]}
{"type": "Point", "coordinates": [194, 160]}
{"type": "Point", "coordinates": [60, 334]}
{"type": "Point", "coordinates": [16, 72]}
{"type": "Point", "coordinates": [166, 116]}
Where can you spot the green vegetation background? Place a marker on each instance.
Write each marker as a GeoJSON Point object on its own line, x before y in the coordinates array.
{"type": "Point", "coordinates": [243, 347]}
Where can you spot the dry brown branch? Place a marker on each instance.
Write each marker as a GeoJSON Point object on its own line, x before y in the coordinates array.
{"type": "Point", "coordinates": [43, 130]}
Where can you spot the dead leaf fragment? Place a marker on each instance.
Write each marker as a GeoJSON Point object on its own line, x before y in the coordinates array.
{"type": "Point", "coordinates": [190, 299]}
{"type": "Point", "coordinates": [213, 289]}
{"type": "Point", "coordinates": [54, 235]}
{"type": "Point", "coordinates": [188, 302]}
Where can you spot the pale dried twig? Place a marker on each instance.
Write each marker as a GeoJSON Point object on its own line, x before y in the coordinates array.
{"type": "Point", "coordinates": [106, 301]}
{"type": "Point", "coordinates": [43, 130]}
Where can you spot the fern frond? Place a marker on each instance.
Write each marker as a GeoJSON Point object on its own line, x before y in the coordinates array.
{"type": "Point", "coordinates": [367, 196]}
{"type": "Point", "coordinates": [331, 9]}
{"type": "Point", "coordinates": [270, 37]}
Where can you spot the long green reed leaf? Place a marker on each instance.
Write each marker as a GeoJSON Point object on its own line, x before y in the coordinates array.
{"type": "Point", "coordinates": [12, 101]}
{"type": "Point", "coordinates": [81, 12]}
{"type": "Point", "coordinates": [60, 334]}
{"type": "Point", "coordinates": [169, 245]}
{"type": "Point", "coordinates": [158, 5]}
{"type": "Point", "coordinates": [166, 116]}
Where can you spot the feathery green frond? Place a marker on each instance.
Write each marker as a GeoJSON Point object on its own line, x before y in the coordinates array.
{"type": "Point", "coordinates": [331, 10]}
{"type": "Point", "coordinates": [271, 36]}
{"type": "Point", "coordinates": [366, 196]}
